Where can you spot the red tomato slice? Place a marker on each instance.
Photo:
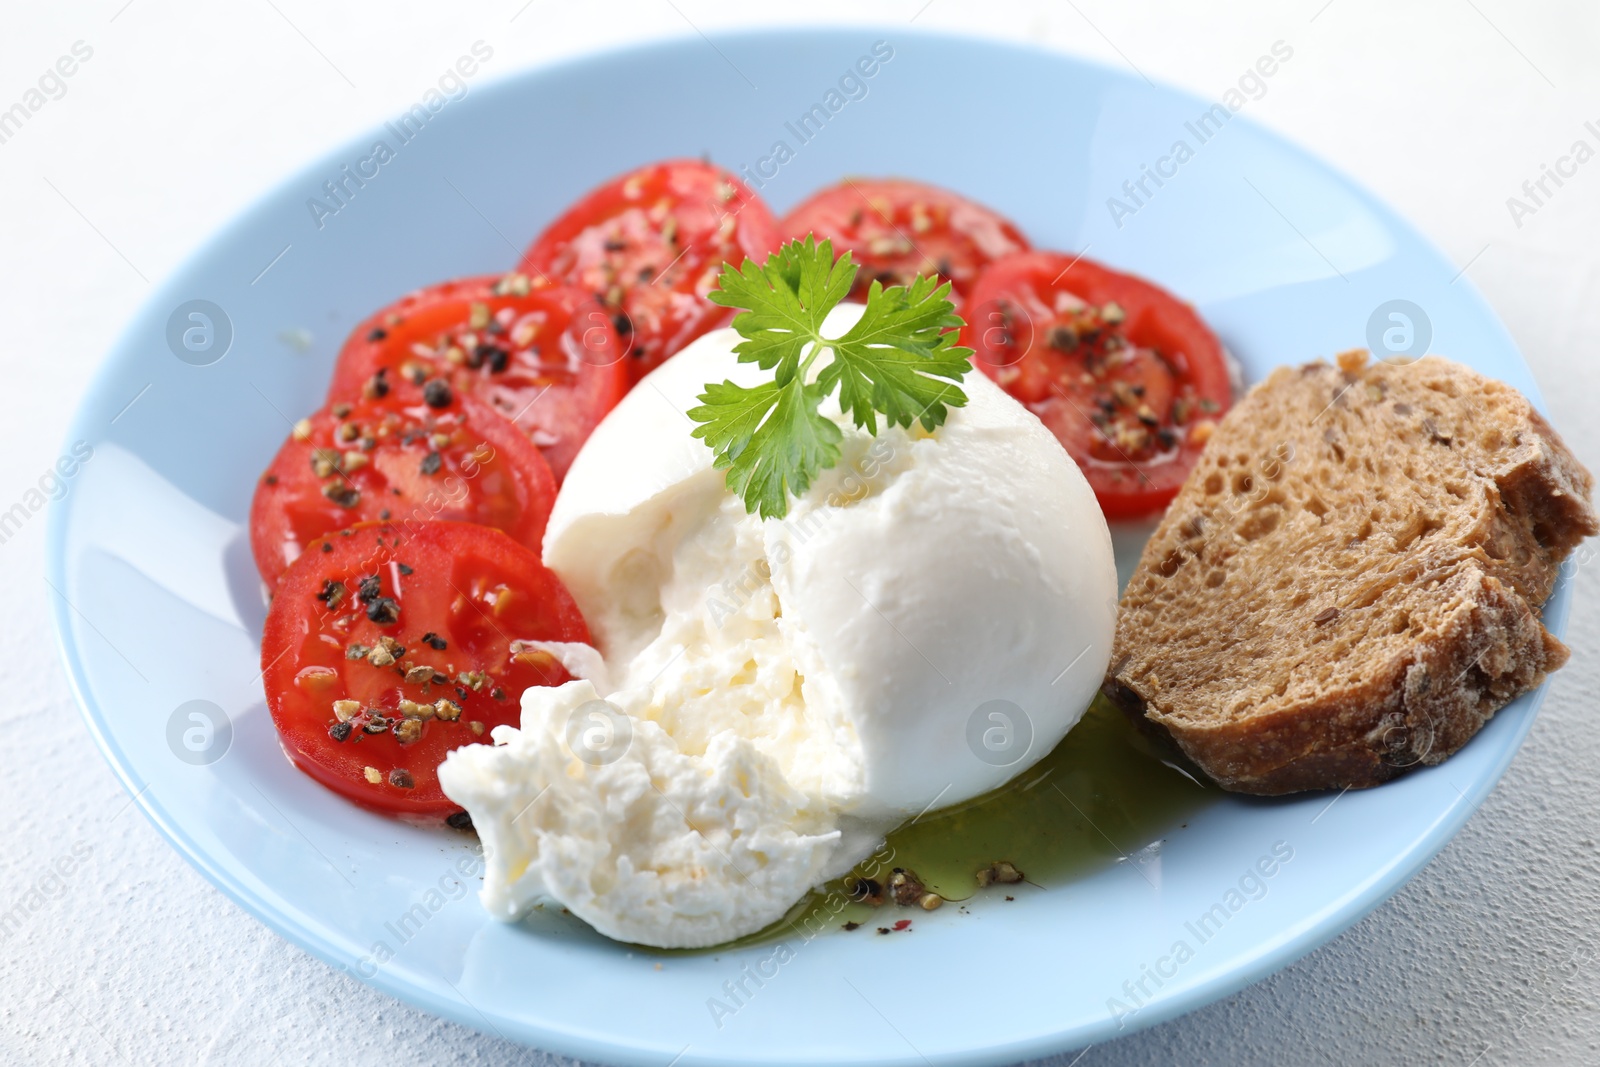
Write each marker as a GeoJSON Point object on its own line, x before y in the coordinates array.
{"type": "Point", "coordinates": [649, 244]}
{"type": "Point", "coordinates": [547, 358]}
{"type": "Point", "coordinates": [389, 645]}
{"type": "Point", "coordinates": [1126, 375]}
{"type": "Point", "coordinates": [898, 229]}
{"type": "Point", "coordinates": [384, 459]}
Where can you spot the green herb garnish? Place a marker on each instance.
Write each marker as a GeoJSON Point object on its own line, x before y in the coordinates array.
{"type": "Point", "coordinates": [900, 361]}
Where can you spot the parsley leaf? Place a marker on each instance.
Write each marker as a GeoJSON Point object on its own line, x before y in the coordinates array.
{"type": "Point", "coordinates": [893, 359]}
{"type": "Point", "coordinates": [784, 302]}
{"type": "Point", "coordinates": [770, 438]}
{"type": "Point", "coordinates": [899, 360]}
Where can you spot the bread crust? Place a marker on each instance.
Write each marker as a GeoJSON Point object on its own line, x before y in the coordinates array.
{"type": "Point", "coordinates": [1323, 660]}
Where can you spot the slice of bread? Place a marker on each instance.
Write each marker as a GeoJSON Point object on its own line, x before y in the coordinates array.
{"type": "Point", "coordinates": [1346, 585]}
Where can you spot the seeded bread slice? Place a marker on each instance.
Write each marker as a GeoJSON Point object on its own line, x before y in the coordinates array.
{"type": "Point", "coordinates": [1347, 584]}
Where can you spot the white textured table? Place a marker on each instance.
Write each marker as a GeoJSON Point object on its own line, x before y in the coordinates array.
{"type": "Point", "coordinates": [186, 111]}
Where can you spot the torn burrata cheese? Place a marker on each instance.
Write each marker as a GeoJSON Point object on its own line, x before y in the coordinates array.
{"type": "Point", "coordinates": [773, 696]}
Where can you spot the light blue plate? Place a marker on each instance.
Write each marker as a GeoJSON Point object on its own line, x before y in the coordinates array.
{"type": "Point", "coordinates": [157, 602]}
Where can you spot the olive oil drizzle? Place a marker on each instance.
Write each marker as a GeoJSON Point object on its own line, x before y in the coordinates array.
{"type": "Point", "coordinates": [1104, 794]}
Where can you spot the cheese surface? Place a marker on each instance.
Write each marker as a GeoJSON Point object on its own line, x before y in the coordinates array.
{"type": "Point", "coordinates": [929, 619]}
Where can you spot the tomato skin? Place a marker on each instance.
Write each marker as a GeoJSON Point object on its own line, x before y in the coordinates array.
{"type": "Point", "coordinates": [560, 365]}
{"type": "Point", "coordinates": [649, 244]}
{"type": "Point", "coordinates": [898, 229]}
{"type": "Point", "coordinates": [408, 461]}
{"type": "Point", "coordinates": [1132, 399]}
{"type": "Point", "coordinates": [470, 589]}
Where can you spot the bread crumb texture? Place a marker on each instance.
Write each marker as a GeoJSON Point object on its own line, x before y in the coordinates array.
{"type": "Point", "coordinates": [1348, 583]}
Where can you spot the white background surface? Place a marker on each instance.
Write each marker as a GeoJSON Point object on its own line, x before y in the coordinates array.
{"type": "Point", "coordinates": [189, 110]}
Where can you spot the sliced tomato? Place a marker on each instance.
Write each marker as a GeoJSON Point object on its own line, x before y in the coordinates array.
{"type": "Point", "coordinates": [389, 644]}
{"type": "Point", "coordinates": [898, 229]}
{"type": "Point", "coordinates": [1127, 376]}
{"type": "Point", "coordinates": [546, 357]}
{"type": "Point", "coordinates": [649, 245]}
{"type": "Point", "coordinates": [390, 459]}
